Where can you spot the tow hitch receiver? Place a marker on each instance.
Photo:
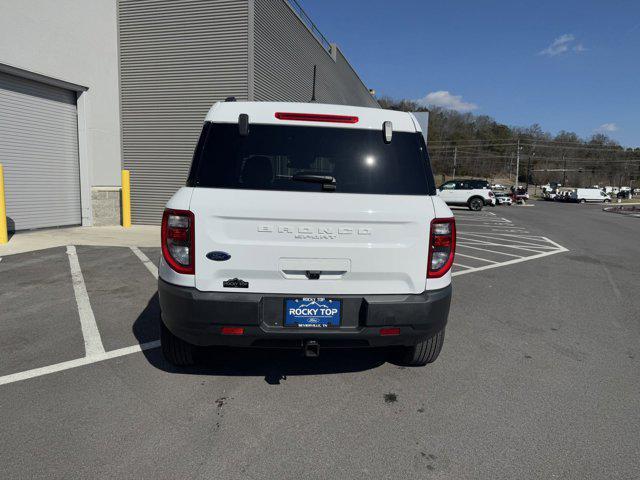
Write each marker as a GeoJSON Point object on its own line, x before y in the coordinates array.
{"type": "Point", "coordinates": [311, 348]}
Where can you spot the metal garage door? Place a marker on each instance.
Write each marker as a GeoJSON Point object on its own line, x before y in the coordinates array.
{"type": "Point", "coordinates": [39, 151]}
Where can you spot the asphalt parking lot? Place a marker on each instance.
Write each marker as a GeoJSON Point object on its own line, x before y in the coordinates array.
{"type": "Point", "coordinates": [487, 240]}
{"type": "Point", "coordinates": [538, 377]}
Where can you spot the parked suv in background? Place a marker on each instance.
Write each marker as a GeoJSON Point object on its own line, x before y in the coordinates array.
{"type": "Point", "coordinates": [504, 199]}
{"type": "Point", "coordinates": [475, 194]}
{"type": "Point", "coordinates": [307, 226]}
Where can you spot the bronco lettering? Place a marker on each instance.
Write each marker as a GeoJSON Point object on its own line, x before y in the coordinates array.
{"type": "Point", "coordinates": [314, 233]}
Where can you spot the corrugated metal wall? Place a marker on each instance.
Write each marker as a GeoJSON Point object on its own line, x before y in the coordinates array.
{"type": "Point", "coordinates": [285, 52]}
{"type": "Point", "coordinates": [177, 57]}
{"type": "Point", "coordinates": [39, 152]}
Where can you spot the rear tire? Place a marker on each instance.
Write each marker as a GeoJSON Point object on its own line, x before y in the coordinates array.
{"type": "Point", "coordinates": [175, 350]}
{"type": "Point", "coordinates": [424, 352]}
{"type": "Point", "coordinates": [476, 204]}
{"type": "Point", "coordinates": [582, 200]}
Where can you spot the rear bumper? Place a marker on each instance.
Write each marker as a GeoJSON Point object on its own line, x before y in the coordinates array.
{"type": "Point", "coordinates": [198, 317]}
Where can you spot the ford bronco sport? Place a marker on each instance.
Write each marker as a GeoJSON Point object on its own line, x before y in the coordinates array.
{"type": "Point", "coordinates": [307, 226]}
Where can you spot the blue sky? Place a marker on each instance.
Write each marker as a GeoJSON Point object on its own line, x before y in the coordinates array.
{"type": "Point", "coordinates": [499, 57]}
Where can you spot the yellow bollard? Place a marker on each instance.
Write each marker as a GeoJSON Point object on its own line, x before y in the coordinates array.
{"type": "Point", "coordinates": [126, 199]}
{"type": "Point", "coordinates": [4, 236]}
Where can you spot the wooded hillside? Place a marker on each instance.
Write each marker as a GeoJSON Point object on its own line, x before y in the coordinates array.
{"type": "Point", "coordinates": [487, 149]}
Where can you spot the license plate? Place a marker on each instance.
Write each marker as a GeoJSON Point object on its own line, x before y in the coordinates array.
{"type": "Point", "coordinates": [312, 312]}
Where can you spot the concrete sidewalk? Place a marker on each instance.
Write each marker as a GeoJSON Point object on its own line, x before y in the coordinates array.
{"type": "Point", "coordinates": [116, 236]}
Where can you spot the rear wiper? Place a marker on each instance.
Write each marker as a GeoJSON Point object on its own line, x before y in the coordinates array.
{"type": "Point", "coordinates": [328, 182]}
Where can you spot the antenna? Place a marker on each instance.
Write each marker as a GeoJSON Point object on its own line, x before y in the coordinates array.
{"type": "Point", "coordinates": [313, 91]}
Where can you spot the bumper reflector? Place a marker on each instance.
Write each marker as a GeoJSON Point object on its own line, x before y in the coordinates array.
{"type": "Point", "coordinates": [389, 331]}
{"type": "Point", "coordinates": [232, 331]}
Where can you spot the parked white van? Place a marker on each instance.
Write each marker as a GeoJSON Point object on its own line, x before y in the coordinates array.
{"type": "Point", "coordinates": [306, 225]}
{"type": "Point", "coordinates": [584, 195]}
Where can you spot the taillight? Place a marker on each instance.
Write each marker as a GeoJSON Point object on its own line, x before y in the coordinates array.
{"type": "Point", "coordinates": [178, 242]}
{"type": "Point", "coordinates": [442, 246]}
{"type": "Point", "coordinates": [316, 117]}
{"type": "Point", "coordinates": [491, 194]}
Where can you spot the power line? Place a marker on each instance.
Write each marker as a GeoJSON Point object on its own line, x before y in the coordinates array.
{"type": "Point", "coordinates": [593, 148]}
{"type": "Point", "coordinates": [471, 146]}
{"type": "Point", "coordinates": [628, 155]}
{"type": "Point", "coordinates": [594, 161]}
{"type": "Point", "coordinates": [528, 141]}
{"type": "Point", "coordinates": [472, 141]}
{"type": "Point", "coordinates": [535, 145]}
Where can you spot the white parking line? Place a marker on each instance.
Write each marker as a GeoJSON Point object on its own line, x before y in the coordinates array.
{"type": "Point", "coordinates": [526, 237]}
{"type": "Point", "coordinates": [506, 245]}
{"type": "Point", "coordinates": [145, 260]}
{"type": "Point", "coordinates": [481, 221]}
{"type": "Point", "coordinates": [560, 247]}
{"type": "Point", "coordinates": [79, 362]}
{"type": "Point", "coordinates": [461, 265]}
{"type": "Point", "coordinates": [496, 236]}
{"type": "Point", "coordinates": [475, 258]}
{"type": "Point", "coordinates": [93, 344]}
{"type": "Point", "coordinates": [490, 251]}
{"type": "Point", "coordinates": [478, 241]}
{"type": "Point", "coordinates": [463, 211]}
{"type": "Point", "coordinates": [493, 231]}
{"type": "Point", "coordinates": [488, 220]}
{"type": "Point", "coordinates": [477, 231]}
{"type": "Point", "coordinates": [92, 341]}
{"type": "Point", "coordinates": [509, 262]}
{"type": "Point", "coordinates": [484, 228]}
{"type": "Point", "coordinates": [507, 226]}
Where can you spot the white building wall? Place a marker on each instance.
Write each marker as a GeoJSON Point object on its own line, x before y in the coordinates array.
{"type": "Point", "coordinates": [74, 41]}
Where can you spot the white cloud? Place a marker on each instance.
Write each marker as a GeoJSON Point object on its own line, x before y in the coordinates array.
{"type": "Point", "coordinates": [606, 128]}
{"type": "Point", "coordinates": [444, 99]}
{"type": "Point", "coordinates": [561, 45]}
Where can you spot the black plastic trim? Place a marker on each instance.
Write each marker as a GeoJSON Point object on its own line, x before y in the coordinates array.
{"type": "Point", "coordinates": [197, 317]}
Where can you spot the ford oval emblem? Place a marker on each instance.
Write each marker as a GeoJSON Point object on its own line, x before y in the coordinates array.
{"type": "Point", "coordinates": [218, 256]}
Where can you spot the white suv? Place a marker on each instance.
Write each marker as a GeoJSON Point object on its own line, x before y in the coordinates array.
{"type": "Point", "coordinates": [470, 193]}
{"type": "Point", "coordinates": [307, 226]}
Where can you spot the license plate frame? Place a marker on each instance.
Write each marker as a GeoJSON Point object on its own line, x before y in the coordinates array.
{"type": "Point", "coordinates": [310, 320]}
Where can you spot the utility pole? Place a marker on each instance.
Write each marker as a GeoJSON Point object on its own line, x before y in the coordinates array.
{"type": "Point", "coordinates": [529, 166]}
{"type": "Point", "coordinates": [564, 170]}
{"type": "Point", "coordinates": [455, 158]}
{"type": "Point", "coordinates": [517, 165]}
{"type": "Point", "coordinates": [510, 165]}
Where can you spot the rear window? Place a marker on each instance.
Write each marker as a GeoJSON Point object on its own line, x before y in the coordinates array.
{"type": "Point", "coordinates": [274, 157]}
